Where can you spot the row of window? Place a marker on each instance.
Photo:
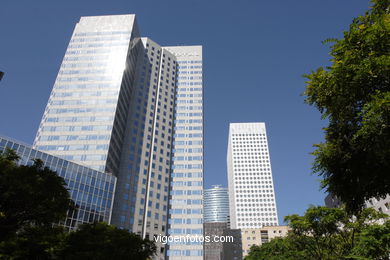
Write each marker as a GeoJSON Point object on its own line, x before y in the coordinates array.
{"type": "Point", "coordinates": [186, 192]}
{"type": "Point", "coordinates": [187, 166]}
{"type": "Point", "coordinates": [86, 58]}
{"type": "Point", "coordinates": [99, 45]}
{"type": "Point", "coordinates": [89, 86]}
{"type": "Point", "coordinates": [73, 137]}
{"type": "Point", "coordinates": [186, 183]}
{"type": "Point", "coordinates": [192, 211]}
{"type": "Point", "coordinates": [184, 83]}
{"type": "Point", "coordinates": [96, 39]}
{"type": "Point", "coordinates": [76, 128]}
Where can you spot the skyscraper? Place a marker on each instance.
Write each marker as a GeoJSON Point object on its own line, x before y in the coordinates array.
{"type": "Point", "coordinates": [186, 196]}
{"type": "Point", "coordinates": [216, 215]}
{"type": "Point", "coordinates": [251, 192]}
{"type": "Point", "coordinates": [216, 204]}
{"type": "Point", "coordinates": [130, 107]}
{"type": "Point", "coordinates": [85, 117]}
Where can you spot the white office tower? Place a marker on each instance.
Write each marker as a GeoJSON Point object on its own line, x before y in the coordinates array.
{"type": "Point", "coordinates": [186, 195]}
{"type": "Point", "coordinates": [251, 192]}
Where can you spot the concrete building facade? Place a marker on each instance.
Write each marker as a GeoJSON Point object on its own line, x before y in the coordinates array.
{"type": "Point", "coordinates": [252, 200]}
{"type": "Point", "coordinates": [259, 236]}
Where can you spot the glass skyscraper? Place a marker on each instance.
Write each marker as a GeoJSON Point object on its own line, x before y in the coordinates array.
{"type": "Point", "coordinates": [85, 117]}
{"type": "Point", "coordinates": [216, 204]}
{"type": "Point", "coordinates": [127, 106]}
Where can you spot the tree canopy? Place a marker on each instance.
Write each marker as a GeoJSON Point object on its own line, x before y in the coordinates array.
{"type": "Point", "coordinates": [33, 200]}
{"type": "Point", "coordinates": [330, 234]}
{"type": "Point", "coordinates": [29, 195]}
{"type": "Point", "coordinates": [102, 241]}
{"type": "Point", "coordinates": [353, 93]}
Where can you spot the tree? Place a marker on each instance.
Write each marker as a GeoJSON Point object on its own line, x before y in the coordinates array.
{"type": "Point", "coordinates": [329, 234]}
{"type": "Point", "coordinates": [29, 196]}
{"type": "Point", "coordinates": [276, 249]}
{"type": "Point", "coordinates": [103, 241]}
{"type": "Point", "coordinates": [373, 243]}
{"type": "Point", "coordinates": [354, 95]}
{"type": "Point", "coordinates": [35, 242]}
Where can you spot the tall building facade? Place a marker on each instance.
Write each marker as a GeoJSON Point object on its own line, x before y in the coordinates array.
{"type": "Point", "coordinates": [84, 120]}
{"type": "Point", "coordinates": [216, 215]}
{"type": "Point", "coordinates": [186, 195]}
{"type": "Point", "coordinates": [251, 191]}
{"type": "Point", "coordinates": [127, 106]}
{"type": "Point", "coordinates": [216, 204]}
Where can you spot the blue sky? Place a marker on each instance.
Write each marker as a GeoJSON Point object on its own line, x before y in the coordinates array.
{"type": "Point", "coordinates": [255, 53]}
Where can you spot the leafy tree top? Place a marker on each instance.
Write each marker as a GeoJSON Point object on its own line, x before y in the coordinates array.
{"type": "Point", "coordinates": [354, 95]}
{"type": "Point", "coordinates": [29, 195]}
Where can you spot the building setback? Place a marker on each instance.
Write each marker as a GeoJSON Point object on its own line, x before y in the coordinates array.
{"type": "Point", "coordinates": [125, 105]}
{"type": "Point", "coordinates": [251, 192]}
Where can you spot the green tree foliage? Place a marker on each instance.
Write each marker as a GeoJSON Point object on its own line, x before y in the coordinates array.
{"type": "Point", "coordinates": [276, 249]}
{"type": "Point", "coordinates": [373, 243]}
{"type": "Point", "coordinates": [32, 198]}
{"type": "Point", "coordinates": [329, 234]}
{"type": "Point", "coordinates": [35, 242]}
{"type": "Point", "coordinates": [102, 241]}
{"type": "Point", "coordinates": [29, 196]}
{"type": "Point", "coordinates": [354, 95]}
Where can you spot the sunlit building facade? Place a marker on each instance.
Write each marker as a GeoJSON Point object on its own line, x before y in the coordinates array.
{"type": "Point", "coordinates": [125, 105]}
{"type": "Point", "coordinates": [85, 117]}
{"type": "Point", "coordinates": [186, 194]}
{"type": "Point", "coordinates": [251, 191]}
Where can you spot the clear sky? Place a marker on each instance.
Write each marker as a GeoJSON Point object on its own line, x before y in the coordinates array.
{"type": "Point", "coordinates": [255, 53]}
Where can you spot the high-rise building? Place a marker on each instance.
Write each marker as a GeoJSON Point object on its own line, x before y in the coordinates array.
{"type": "Point", "coordinates": [91, 190]}
{"type": "Point", "coordinates": [251, 191]}
{"type": "Point", "coordinates": [216, 215]}
{"type": "Point", "coordinates": [85, 118]}
{"type": "Point", "coordinates": [186, 195]}
{"type": "Point", "coordinates": [216, 204]}
{"type": "Point", "coordinates": [130, 107]}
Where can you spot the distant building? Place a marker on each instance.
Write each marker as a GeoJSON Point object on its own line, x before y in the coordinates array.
{"type": "Point", "coordinates": [252, 202]}
{"type": "Point", "coordinates": [216, 204]}
{"type": "Point", "coordinates": [216, 214]}
{"type": "Point", "coordinates": [259, 236]}
{"type": "Point", "coordinates": [91, 190]}
{"type": "Point", "coordinates": [332, 201]}
{"type": "Point", "coordinates": [381, 205]}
